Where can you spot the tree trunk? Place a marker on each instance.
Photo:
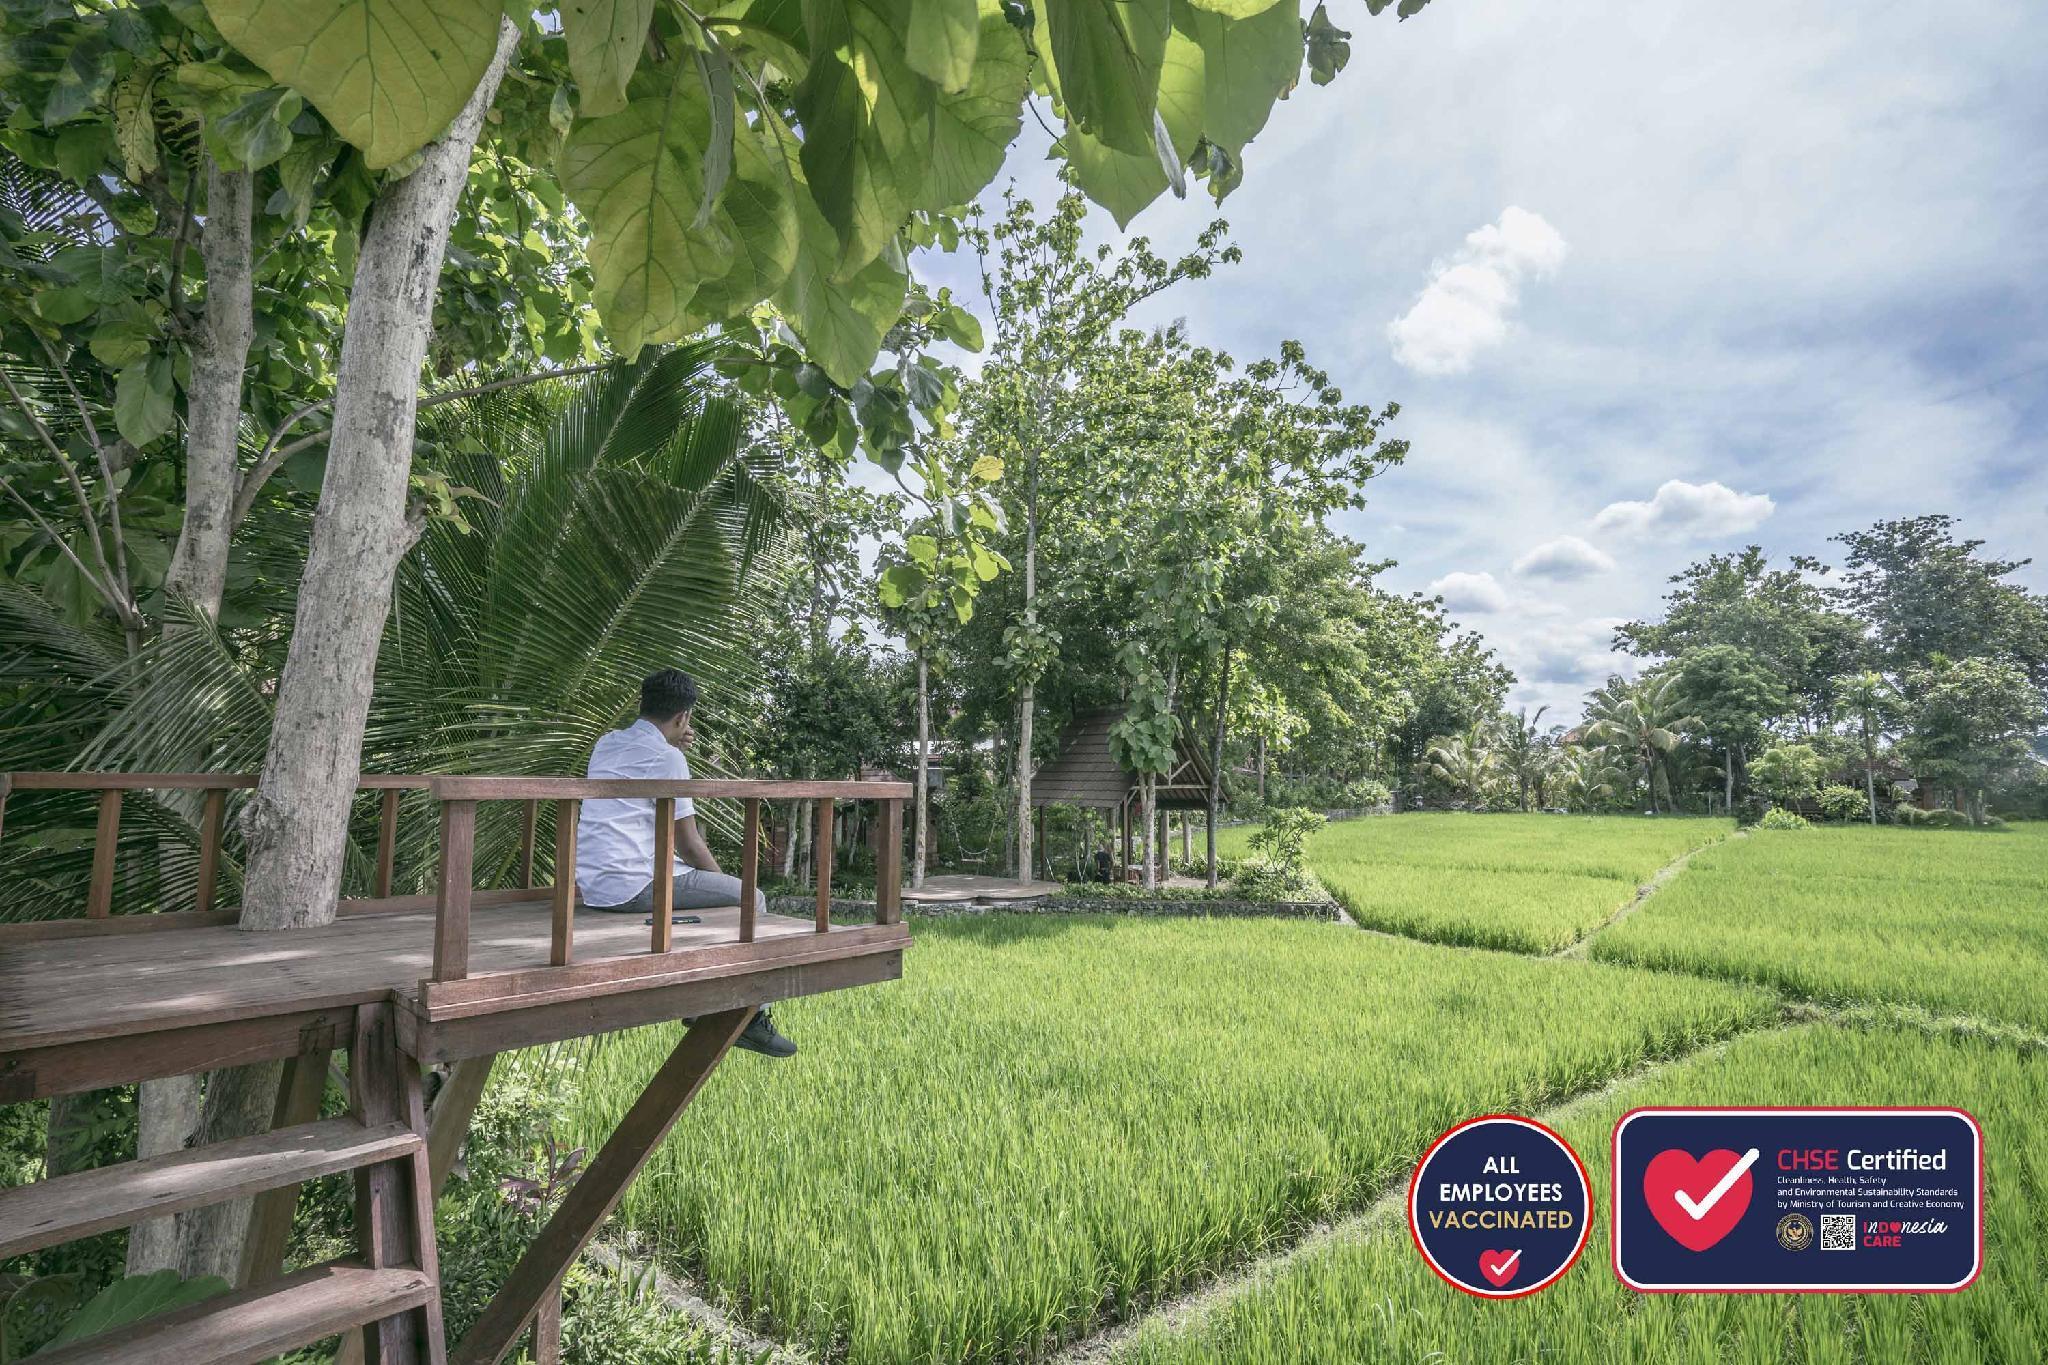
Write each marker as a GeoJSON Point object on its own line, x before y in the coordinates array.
{"type": "Point", "coordinates": [1870, 772]}
{"type": "Point", "coordinates": [924, 769]}
{"type": "Point", "coordinates": [1147, 876]}
{"type": "Point", "coordinates": [1262, 769]}
{"type": "Point", "coordinates": [1216, 758]}
{"type": "Point", "coordinates": [1728, 779]}
{"type": "Point", "coordinates": [167, 1119]}
{"type": "Point", "coordinates": [296, 823]}
{"type": "Point", "coordinates": [789, 843]}
{"type": "Point", "coordinates": [1027, 699]}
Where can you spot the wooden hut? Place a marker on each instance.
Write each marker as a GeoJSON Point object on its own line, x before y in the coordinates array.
{"type": "Point", "coordinates": [1086, 773]}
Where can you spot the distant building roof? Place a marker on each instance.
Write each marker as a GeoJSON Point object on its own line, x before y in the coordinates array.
{"type": "Point", "coordinates": [1087, 774]}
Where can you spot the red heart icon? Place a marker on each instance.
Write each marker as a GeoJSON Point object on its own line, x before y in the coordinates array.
{"type": "Point", "coordinates": [1499, 1266]}
{"type": "Point", "coordinates": [1709, 1219]}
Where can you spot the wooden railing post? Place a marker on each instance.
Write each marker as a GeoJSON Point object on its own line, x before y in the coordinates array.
{"type": "Point", "coordinates": [451, 915]}
{"type": "Point", "coordinates": [529, 814]}
{"type": "Point", "coordinates": [99, 901]}
{"type": "Point", "coordinates": [6, 786]}
{"type": "Point", "coordinates": [562, 943]}
{"type": "Point", "coordinates": [750, 869]}
{"type": "Point", "coordinates": [664, 873]}
{"type": "Point", "coordinates": [821, 856]}
{"type": "Point", "coordinates": [387, 841]}
{"type": "Point", "coordinates": [211, 818]}
{"type": "Point", "coordinates": [889, 865]}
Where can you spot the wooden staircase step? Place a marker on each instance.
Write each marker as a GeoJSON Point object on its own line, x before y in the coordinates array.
{"type": "Point", "coordinates": [252, 1325]}
{"type": "Point", "coordinates": [78, 1205]}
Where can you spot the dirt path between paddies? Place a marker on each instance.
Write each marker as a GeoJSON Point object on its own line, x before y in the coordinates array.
{"type": "Point", "coordinates": [1659, 879]}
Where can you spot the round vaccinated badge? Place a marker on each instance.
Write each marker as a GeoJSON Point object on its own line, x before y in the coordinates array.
{"type": "Point", "coordinates": [1500, 1206]}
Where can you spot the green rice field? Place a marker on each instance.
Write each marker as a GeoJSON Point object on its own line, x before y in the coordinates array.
{"type": "Point", "coordinates": [1955, 922]}
{"type": "Point", "coordinates": [1055, 1124]}
{"type": "Point", "coordinates": [1050, 1118]}
{"type": "Point", "coordinates": [1527, 883]}
{"type": "Point", "coordinates": [1374, 1299]}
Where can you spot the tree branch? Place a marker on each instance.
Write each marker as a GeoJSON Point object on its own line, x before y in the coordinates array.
{"type": "Point", "coordinates": [92, 524]}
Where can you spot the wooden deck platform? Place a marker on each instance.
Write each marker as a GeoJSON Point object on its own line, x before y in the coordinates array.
{"type": "Point", "coordinates": [90, 1010]}
{"type": "Point", "coordinates": [972, 889]}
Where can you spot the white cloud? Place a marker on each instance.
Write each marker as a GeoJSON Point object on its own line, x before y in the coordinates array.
{"type": "Point", "coordinates": [1475, 592]}
{"type": "Point", "coordinates": [1696, 509]}
{"type": "Point", "coordinates": [1567, 557]}
{"type": "Point", "coordinates": [1464, 308]}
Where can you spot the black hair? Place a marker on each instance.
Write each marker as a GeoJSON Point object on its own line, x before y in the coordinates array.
{"type": "Point", "coordinates": [667, 694]}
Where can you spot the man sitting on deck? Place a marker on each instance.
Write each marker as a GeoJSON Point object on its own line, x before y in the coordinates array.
{"type": "Point", "coordinates": [615, 839]}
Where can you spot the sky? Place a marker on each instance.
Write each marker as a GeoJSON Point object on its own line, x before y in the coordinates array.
{"type": "Point", "coordinates": [1649, 281]}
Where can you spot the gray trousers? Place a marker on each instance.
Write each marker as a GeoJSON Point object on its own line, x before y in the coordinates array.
{"type": "Point", "coordinates": [696, 889]}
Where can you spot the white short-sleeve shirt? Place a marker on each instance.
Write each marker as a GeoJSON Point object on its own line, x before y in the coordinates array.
{"type": "Point", "coordinates": [615, 838]}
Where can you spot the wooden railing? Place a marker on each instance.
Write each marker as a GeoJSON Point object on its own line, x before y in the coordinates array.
{"type": "Point", "coordinates": [459, 797]}
{"type": "Point", "coordinates": [214, 787]}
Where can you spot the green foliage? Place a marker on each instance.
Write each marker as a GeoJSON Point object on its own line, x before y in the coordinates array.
{"type": "Point", "coordinates": [135, 1297]}
{"type": "Point", "coordinates": [1275, 1087]}
{"type": "Point", "coordinates": [1777, 817]}
{"type": "Point", "coordinates": [1788, 773]}
{"type": "Point", "coordinates": [1841, 802]}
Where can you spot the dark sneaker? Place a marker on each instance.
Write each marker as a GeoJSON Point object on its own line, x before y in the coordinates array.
{"type": "Point", "coordinates": [762, 1036]}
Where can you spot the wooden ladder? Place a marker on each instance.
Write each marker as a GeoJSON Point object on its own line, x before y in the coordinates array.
{"type": "Point", "coordinates": [390, 1289]}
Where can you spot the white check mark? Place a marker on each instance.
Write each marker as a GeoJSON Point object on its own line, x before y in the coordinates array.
{"type": "Point", "coordinates": [1721, 1187]}
{"type": "Point", "coordinates": [1503, 1268]}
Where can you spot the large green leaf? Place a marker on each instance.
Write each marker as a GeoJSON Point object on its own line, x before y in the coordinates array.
{"type": "Point", "coordinates": [605, 38]}
{"type": "Point", "coordinates": [1247, 65]}
{"type": "Point", "coordinates": [841, 322]}
{"type": "Point", "coordinates": [134, 1298]}
{"type": "Point", "coordinates": [390, 75]}
{"type": "Point", "coordinates": [637, 176]}
{"type": "Point", "coordinates": [1125, 182]}
{"type": "Point", "coordinates": [756, 215]}
{"type": "Point", "coordinates": [868, 123]}
{"type": "Point", "coordinates": [1234, 9]}
{"type": "Point", "coordinates": [942, 41]}
{"type": "Point", "coordinates": [1107, 55]}
{"type": "Point", "coordinates": [973, 129]}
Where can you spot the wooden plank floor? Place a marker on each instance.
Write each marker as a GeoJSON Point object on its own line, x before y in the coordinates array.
{"type": "Point", "coordinates": [71, 990]}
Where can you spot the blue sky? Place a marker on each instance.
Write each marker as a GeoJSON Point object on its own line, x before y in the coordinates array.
{"type": "Point", "coordinates": [1651, 280]}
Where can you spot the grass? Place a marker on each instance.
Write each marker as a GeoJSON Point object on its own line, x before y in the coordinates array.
{"type": "Point", "coordinates": [1955, 922]}
{"type": "Point", "coordinates": [1526, 883]}
{"type": "Point", "coordinates": [1048, 1120]}
{"type": "Point", "coordinates": [1373, 1299]}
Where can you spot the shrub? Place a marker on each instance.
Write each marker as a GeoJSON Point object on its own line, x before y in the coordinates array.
{"type": "Point", "coordinates": [1780, 818]}
{"type": "Point", "coordinates": [1839, 802]}
{"type": "Point", "coordinates": [1278, 866]}
{"type": "Point", "coordinates": [1787, 773]}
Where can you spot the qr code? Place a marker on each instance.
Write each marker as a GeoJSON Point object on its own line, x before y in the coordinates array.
{"type": "Point", "coordinates": [1838, 1232]}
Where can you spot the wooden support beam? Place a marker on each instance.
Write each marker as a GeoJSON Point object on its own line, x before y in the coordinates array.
{"type": "Point", "coordinates": [387, 840]}
{"type": "Point", "coordinates": [99, 899]}
{"type": "Point", "coordinates": [458, 877]}
{"type": "Point", "coordinates": [392, 1197]}
{"type": "Point", "coordinates": [562, 937]}
{"type": "Point", "coordinates": [1040, 857]}
{"type": "Point", "coordinates": [547, 1328]}
{"type": "Point", "coordinates": [212, 816]}
{"type": "Point", "coordinates": [750, 869]}
{"type": "Point", "coordinates": [664, 874]}
{"type": "Point", "coordinates": [821, 856]}
{"type": "Point", "coordinates": [593, 1197]}
{"type": "Point", "coordinates": [889, 865]}
{"type": "Point", "coordinates": [447, 1126]}
{"type": "Point", "coordinates": [299, 1094]}
{"type": "Point", "coordinates": [529, 814]}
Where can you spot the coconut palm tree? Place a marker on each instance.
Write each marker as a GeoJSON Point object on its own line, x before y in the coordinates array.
{"type": "Point", "coordinates": [1522, 750]}
{"type": "Point", "coordinates": [1464, 763]}
{"type": "Point", "coordinates": [1645, 720]}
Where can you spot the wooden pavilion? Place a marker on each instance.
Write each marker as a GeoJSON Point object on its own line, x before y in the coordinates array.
{"type": "Point", "coordinates": [1086, 773]}
{"type": "Point", "coordinates": [399, 982]}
